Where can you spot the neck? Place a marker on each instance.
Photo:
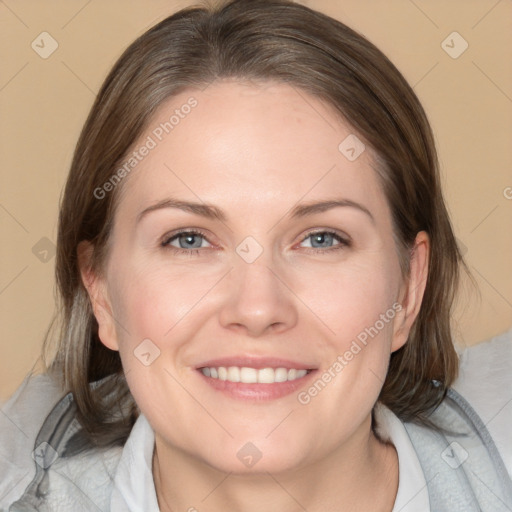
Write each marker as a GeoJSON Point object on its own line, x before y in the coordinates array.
{"type": "Point", "coordinates": [358, 478]}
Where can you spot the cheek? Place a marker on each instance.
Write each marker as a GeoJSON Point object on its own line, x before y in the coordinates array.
{"type": "Point", "coordinates": [158, 311]}
{"type": "Point", "coordinates": [355, 306]}
{"type": "Point", "coordinates": [151, 299]}
{"type": "Point", "coordinates": [350, 299]}
{"type": "Point", "coordinates": [153, 309]}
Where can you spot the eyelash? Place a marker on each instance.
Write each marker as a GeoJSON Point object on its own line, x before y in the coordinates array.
{"type": "Point", "coordinates": [343, 242]}
{"type": "Point", "coordinates": [179, 250]}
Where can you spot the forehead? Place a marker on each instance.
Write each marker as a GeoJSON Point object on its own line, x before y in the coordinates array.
{"type": "Point", "coordinates": [249, 145]}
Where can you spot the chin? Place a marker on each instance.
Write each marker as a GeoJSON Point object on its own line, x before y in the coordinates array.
{"type": "Point", "coordinates": [259, 456]}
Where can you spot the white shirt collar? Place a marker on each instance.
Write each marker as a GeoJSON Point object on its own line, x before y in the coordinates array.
{"type": "Point", "coordinates": [134, 488]}
{"type": "Point", "coordinates": [412, 495]}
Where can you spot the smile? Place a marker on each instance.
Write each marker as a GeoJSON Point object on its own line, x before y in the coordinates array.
{"type": "Point", "coordinates": [249, 375]}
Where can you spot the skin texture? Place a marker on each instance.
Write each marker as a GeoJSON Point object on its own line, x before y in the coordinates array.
{"type": "Point", "coordinates": [256, 151]}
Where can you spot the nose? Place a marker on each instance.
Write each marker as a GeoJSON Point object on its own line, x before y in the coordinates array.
{"type": "Point", "coordinates": [258, 300]}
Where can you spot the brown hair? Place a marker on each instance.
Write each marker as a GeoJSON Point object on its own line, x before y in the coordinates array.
{"type": "Point", "coordinates": [258, 40]}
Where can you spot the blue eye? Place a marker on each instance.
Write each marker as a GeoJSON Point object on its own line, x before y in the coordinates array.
{"type": "Point", "coordinates": [320, 240]}
{"type": "Point", "coordinates": [189, 242]}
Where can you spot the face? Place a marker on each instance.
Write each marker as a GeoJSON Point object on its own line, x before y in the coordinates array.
{"type": "Point", "coordinates": [252, 286]}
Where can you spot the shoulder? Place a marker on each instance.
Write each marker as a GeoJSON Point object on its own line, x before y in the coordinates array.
{"type": "Point", "coordinates": [45, 464]}
{"type": "Point", "coordinates": [461, 463]}
{"type": "Point", "coordinates": [21, 419]}
{"type": "Point", "coordinates": [485, 381]}
{"type": "Point", "coordinates": [491, 358]}
{"type": "Point", "coordinates": [466, 450]}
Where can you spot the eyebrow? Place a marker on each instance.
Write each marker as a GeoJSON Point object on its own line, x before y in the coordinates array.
{"type": "Point", "coordinates": [212, 212]}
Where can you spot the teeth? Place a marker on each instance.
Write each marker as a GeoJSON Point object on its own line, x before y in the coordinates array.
{"type": "Point", "coordinates": [266, 376]}
{"type": "Point", "coordinates": [292, 374]}
{"type": "Point", "coordinates": [248, 375]}
{"type": "Point", "coordinates": [281, 375]}
{"type": "Point", "coordinates": [253, 375]}
{"type": "Point", "coordinates": [233, 374]}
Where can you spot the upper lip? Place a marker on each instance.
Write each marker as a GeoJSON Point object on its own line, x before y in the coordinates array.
{"type": "Point", "coordinates": [255, 362]}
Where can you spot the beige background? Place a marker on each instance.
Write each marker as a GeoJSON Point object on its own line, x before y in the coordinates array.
{"type": "Point", "coordinates": [44, 102]}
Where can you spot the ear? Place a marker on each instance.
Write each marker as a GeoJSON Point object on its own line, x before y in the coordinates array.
{"type": "Point", "coordinates": [97, 291]}
{"type": "Point", "coordinates": [412, 290]}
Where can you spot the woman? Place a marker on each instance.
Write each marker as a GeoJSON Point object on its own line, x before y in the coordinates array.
{"type": "Point", "coordinates": [257, 270]}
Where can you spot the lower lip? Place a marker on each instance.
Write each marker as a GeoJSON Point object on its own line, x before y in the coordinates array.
{"type": "Point", "coordinates": [257, 392]}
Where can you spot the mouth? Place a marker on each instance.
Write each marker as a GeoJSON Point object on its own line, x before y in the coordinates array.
{"type": "Point", "coordinates": [255, 379]}
{"type": "Point", "coordinates": [248, 375]}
